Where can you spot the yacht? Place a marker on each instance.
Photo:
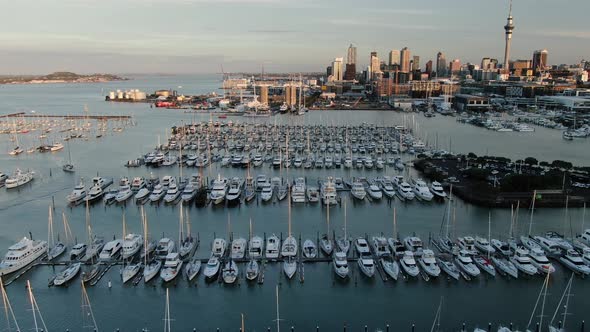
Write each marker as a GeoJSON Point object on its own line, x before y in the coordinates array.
{"type": "Point", "coordinates": [219, 247]}
{"type": "Point", "coordinates": [249, 191]}
{"type": "Point", "coordinates": [310, 249]}
{"type": "Point", "coordinates": [326, 244]}
{"type": "Point", "coordinates": [414, 244]}
{"type": "Point", "coordinates": [151, 270]}
{"type": "Point", "coordinates": [78, 194]}
{"type": "Point", "coordinates": [111, 250]}
{"type": "Point", "coordinates": [289, 247]}
{"type": "Point", "coordinates": [172, 266]}
{"type": "Point", "coordinates": [396, 246]}
{"type": "Point", "coordinates": [428, 263]}
{"type": "Point", "coordinates": [130, 271]}
{"type": "Point", "coordinates": [449, 267]}
{"type": "Point", "coordinates": [290, 266]}
{"type": "Point", "coordinates": [357, 190]}
{"type": "Point", "coordinates": [404, 190]}
{"type": "Point", "coordinates": [390, 266]}
{"type": "Point", "coordinates": [93, 249]}
{"type": "Point", "coordinates": [189, 193]}
{"type": "Point", "coordinates": [467, 243]}
{"type": "Point", "coordinates": [408, 264]}
{"type": "Point", "coordinates": [585, 237]}
{"type": "Point", "coordinates": [261, 181]}
{"type": "Point", "coordinates": [273, 245]}
{"type": "Point", "coordinates": [229, 273]}
{"type": "Point", "coordinates": [559, 239]}
{"type": "Point", "coordinates": [192, 268]}
{"type": "Point", "coordinates": [362, 247]}
{"type": "Point", "coordinates": [158, 193]}
{"type": "Point", "coordinates": [380, 247]}
{"type": "Point", "coordinates": [501, 247]}
{"type": "Point", "coordinates": [57, 250]}
{"type": "Point", "coordinates": [522, 261]}
{"type": "Point", "coordinates": [387, 187]}
{"type": "Point", "coordinates": [340, 263]}
{"type": "Point", "coordinates": [313, 195]}
{"type": "Point", "coordinates": [95, 193]}
{"type": "Point", "coordinates": [212, 268]}
{"type": "Point", "coordinates": [266, 192]}
{"type": "Point", "coordinates": [21, 254]}
{"type": "Point", "coordinates": [124, 192]}
{"type": "Point", "coordinates": [172, 193]}
{"type": "Point", "coordinates": [238, 248]}
{"type": "Point", "coordinates": [78, 251]}
{"type": "Point", "coordinates": [218, 191]}
{"type": "Point", "coordinates": [67, 274]}
{"type": "Point", "coordinates": [466, 264]}
{"type": "Point", "coordinates": [529, 243]}
{"type": "Point", "coordinates": [366, 265]}
{"type": "Point", "coordinates": [252, 270]}
{"type": "Point", "coordinates": [110, 196]}
{"type": "Point", "coordinates": [142, 195]}
{"type": "Point", "coordinates": [298, 191]}
{"type": "Point", "coordinates": [328, 193]}
{"type": "Point", "coordinates": [374, 192]}
{"type": "Point", "coordinates": [234, 192]}
{"type": "Point", "coordinates": [505, 266]}
{"type": "Point", "coordinates": [485, 265]}
{"type": "Point", "coordinates": [437, 190]}
{"type": "Point", "coordinates": [131, 245]}
{"type": "Point", "coordinates": [255, 247]}
{"type": "Point", "coordinates": [549, 246]}
{"type": "Point", "coordinates": [483, 245]}
{"type": "Point", "coordinates": [19, 178]}
{"type": "Point", "coordinates": [347, 162]}
{"type": "Point", "coordinates": [165, 246]}
{"type": "Point", "coordinates": [575, 262]}
{"type": "Point", "coordinates": [421, 190]}
{"type": "Point", "coordinates": [540, 261]}
{"type": "Point", "coordinates": [137, 184]}
{"type": "Point", "coordinates": [257, 160]}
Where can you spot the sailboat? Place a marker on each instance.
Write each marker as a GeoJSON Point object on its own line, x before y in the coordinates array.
{"type": "Point", "coordinates": [289, 250]}
{"type": "Point", "coordinates": [255, 250]}
{"type": "Point", "coordinates": [388, 262]}
{"type": "Point", "coordinates": [35, 310]}
{"type": "Point", "coordinates": [566, 294]}
{"type": "Point", "coordinates": [444, 242]}
{"type": "Point", "coordinates": [187, 243]}
{"type": "Point", "coordinates": [343, 243]}
{"type": "Point", "coordinates": [17, 149]}
{"type": "Point", "coordinates": [325, 242]}
{"type": "Point", "coordinates": [8, 308]}
{"type": "Point", "coordinates": [56, 248]}
{"type": "Point", "coordinates": [68, 167]}
{"type": "Point", "coordinates": [152, 267]}
{"type": "Point", "coordinates": [87, 313]}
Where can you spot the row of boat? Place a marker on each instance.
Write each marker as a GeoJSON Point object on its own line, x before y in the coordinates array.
{"type": "Point", "coordinates": [17, 179]}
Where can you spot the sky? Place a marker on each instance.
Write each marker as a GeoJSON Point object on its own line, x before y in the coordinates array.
{"type": "Point", "coordinates": [202, 36]}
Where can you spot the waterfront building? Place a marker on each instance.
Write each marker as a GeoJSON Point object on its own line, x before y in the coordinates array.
{"type": "Point", "coordinates": [264, 94]}
{"type": "Point", "coordinates": [455, 67]}
{"type": "Point", "coordinates": [540, 60]}
{"type": "Point", "coordinates": [375, 65]}
{"type": "Point", "coordinates": [405, 59]}
{"type": "Point", "coordinates": [351, 55]}
{"type": "Point", "coordinates": [429, 67]}
{"type": "Point", "coordinates": [350, 72]}
{"type": "Point", "coordinates": [337, 69]}
{"type": "Point", "coordinates": [394, 57]}
{"type": "Point", "coordinates": [471, 103]}
{"type": "Point", "coordinates": [415, 63]}
{"type": "Point", "coordinates": [441, 65]}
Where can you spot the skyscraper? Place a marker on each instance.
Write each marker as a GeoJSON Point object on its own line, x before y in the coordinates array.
{"type": "Point", "coordinates": [509, 27]}
{"type": "Point", "coordinates": [415, 63]}
{"type": "Point", "coordinates": [394, 57]}
{"type": "Point", "coordinates": [405, 59]}
{"type": "Point", "coordinates": [337, 69]}
{"type": "Point", "coordinates": [540, 60]}
{"type": "Point", "coordinates": [375, 64]}
{"type": "Point", "coordinates": [441, 65]}
{"type": "Point", "coordinates": [429, 67]}
{"type": "Point", "coordinates": [351, 56]}
{"type": "Point", "coordinates": [455, 66]}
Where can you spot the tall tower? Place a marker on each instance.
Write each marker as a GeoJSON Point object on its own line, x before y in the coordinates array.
{"type": "Point", "coordinates": [508, 28]}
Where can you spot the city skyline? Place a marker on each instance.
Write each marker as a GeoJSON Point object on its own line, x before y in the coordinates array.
{"type": "Point", "coordinates": [197, 36]}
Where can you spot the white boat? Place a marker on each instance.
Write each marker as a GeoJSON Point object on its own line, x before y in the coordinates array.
{"type": "Point", "coordinates": [357, 190]}
{"type": "Point", "coordinates": [362, 247]}
{"type": "Point", "coordinates": [229, 273]}
{"type": "Point", "coordinates": [290, 267]}
{"type": "Point", "coordinates": [366, 265]}
{"type": "Point", "coordinates": [111, 250]}
{"type": "Point", "coordinates": [165, 246]}
{"type": "Point", "coordinates": [218, 248]}
{"type": "Point", "coordinates": [21, 254]}
{"type": "Point", "coordinates": [142, 194]}
{"type": "Point", "coordinates": [505, 266]}
{"type": "Point", "coordinates": [266, 192]}
{"type": "Point", "coordinates": [585, 237]}
{"type": "Point", "coordinates": [130, 271]}
{"type": "Point", "coordinates": [289, 247]}
{"type": "Point", "coordinates": [449, 267]}
{"type": "Point", "coordinates": [192, 268]}
{"type": "Point", "coordinates": [387, 187]}
{"type": "Point", "coordinates": [67, 274]}
{"type": "Point", "coordinates": [78, 250]}
{"type": "Point", "coordinates": [575, 262]}
{"type": "Point", "coordinates": [124, 192]}
{"type": "Point", "coordinates": [212, 268]}
{"type": "Point", "coordinates": [390, 266]}
{"type": "Point", "coordinates": [218, 190]}
{"type": "Point", "coordinates": [238, 248]}
{"type": "Point", "coordinates": [173, 193]}
{"type": "Point", "coordinates": [151, 270]}
{"type": "Point", "coordinates": [138, 183]}
{"type": "Point", "coordinates": [559, 239]}
{"type": "Point", "coordinates": [483, 245]}
{"type": "Point", "coordinates": [326, 244]}
{"type": "Point", "coordinates": [298, 191]}
{"type": "Point", "coordinates": [540, 261]}
{"type": "Point", "coordinates": [501, 247]}
{"type": "Point", "coordinates": [189, 193]}
{"type": "Point", "coordinates": [404, 190]}
{"type": "Point", "coordinates": [421, 190]}
{"type": "Point", "coordinates": [234, 193]}
{"type": "Point", "coordinates": [131, 245]}
{"type": "Point", "coordinates": [252, 270]}
{"type": "Point", "coordinates": [374, 191]}
{"type": "Point", "coordinates": [437, 190]}
{"type": "Point", "coordinates": [467, 243]}
{"type": "Point", "coordinates": [485, 265]}
{"type": "Point", "coordinates": [380, 246]}
{"type": "Point", "coordinates": [328, 192]}
{"type": "Point", "coordinates": [414, 244]}
{"type": "Point", "coordinates": [56, 147]}
{"type": "Point", "coordinates": [273, 245]}
{"type": "Point", "coordinates": [255, 247]}
{"type": "Point", "coordinates": [93, 249]}
{"type": "Point", "coordinates": [172, 266]}
{"type": "Point", "coordinates": [549, 246]}
{"type": "Point", "coordinates": [19, 178]}
{"type": "Point", "coordinates": [529, 242]}
{"type": "Point", "coordinates": [78, 194]}
{"type": "Point", "coordinates": [522, 261]}
{"type": "Point", "coordinates": [158, 193]}
{"type": "Point", "coordinates": [313, 195]}
{"type": "Point", "coordinates": [408, 264]}
{"type": "Point", "coordinates": [428, 263]}
{"type": "Point", "coordinates": [310, 249]}
{"type": "Point", "coordinates": [466, 264]}
{"type": "Point", "coordinates": [340, 264]}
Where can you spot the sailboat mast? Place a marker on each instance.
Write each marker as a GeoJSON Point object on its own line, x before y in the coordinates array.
{"type": "Point", "coordinates": [180, 222]}
{"type": "Point", "coordinates": [532, 212]}
{"type": "Point", "coordinates": [278, 319]}
{"type": "Point", "coordinates": [86, 303]}
{"type": "Point", "coordinates": [32, 299]}
{"type": "Point", "coordinates": [345, 217]}
{"type": "Point", "coordinates": [489, 230]}
{"type": "Point", "coordinates": [50, 239]}
{"type": "Point", "coordinates": [8, 308]}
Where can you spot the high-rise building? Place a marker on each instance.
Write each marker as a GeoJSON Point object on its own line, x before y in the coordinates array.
{"type": "Point", "coordinates": [405, 59]}
{"type": "Point", "coordinates": [290, 94]}
{"type": "Point", "coordinates": [394, 57]}
{"type": "Point", "coordinates": [328, 71]}
{"type": "Point", "coordinates": [375, 64]}
{"type": "Point", "coordinates": [540, 60]}
{"type": "Point", "coordinates": [351, 55]}
{"type": "Point", "coordinates": [350, 72]}
{"type": "Point", "coordinates": [264, 94]}
{"type": "Point", "coordinates": [337, 69]}
{"type": "Point", "coordinates": [429, 67]}
{"type": "Point", "coordinates": [508, 28]}
{"type": "Point", "coordinates": [415, 63]}
{"type": "Point", "coordinates": [441, 65]}
{"type": "Point", "coordinates": [455, 66]}
{"type": "Point", "coordinates": [489, 64]}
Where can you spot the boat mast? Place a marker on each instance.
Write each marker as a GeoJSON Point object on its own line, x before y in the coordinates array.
{"type": "Point", "coordinates": [345, 220]}
{"type": "Point", "coordinates": [8, 308]}
{"type": "Point", "coordinates": [583, 216]}
{"type": "Point", "coordinates": [167, 313]}
{"type": "Point", "coordinates": [532, 212]}
{"type": "Point", "coordinates": [89, 313]}
{"type": "Point", "coordinates": [567, 294]}
{"type": "Point", "coordinates": [50, 238]}
{"type": "Point", "coordinates": [35, 309]}
{"type": "Point", "coordinates": [278, 319]}
{"type": "Point", "coordinates": [144, 223]}
{"type": "Point", "coordinates": [489, 230]}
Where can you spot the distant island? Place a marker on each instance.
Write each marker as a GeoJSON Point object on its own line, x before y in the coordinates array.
{"type": "Point", "coordinates": [59, 77]}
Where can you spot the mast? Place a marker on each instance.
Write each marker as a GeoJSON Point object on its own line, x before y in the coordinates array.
{"type": "Point", "coordinates": [35, 309]}
{"type": "Point", "coordinates": [278, 319]}
{"type": "Point", "coordinates": [345, 238]}
{"type": "Point", "coordinates": [8, 308]}
{"type": "Point", "coordinates": [167, 313]}
{"type": "Point", "coordinates": [180, 225]}
{"type": "Point", "coordinates": [532, 212]}
{"type": "Point", "coordinates": [50, 238]}
{"type": "Point", "coordinates": [489, 230]}
{"type": "Point", "coordinates": [145, 233]}
{"type": "Point", "coordinates": [394, 223]}
{"type": "Point", "coordinates": [88, 312]}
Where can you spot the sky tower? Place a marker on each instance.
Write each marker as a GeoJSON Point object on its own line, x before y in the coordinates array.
{"type": "Point", "coordinates": [508, 28]}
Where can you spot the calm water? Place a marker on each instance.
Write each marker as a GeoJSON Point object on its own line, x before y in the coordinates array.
{"type": "Point", "coordinates": [320, 300]}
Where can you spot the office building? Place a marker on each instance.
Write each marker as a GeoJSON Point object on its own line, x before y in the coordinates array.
{"type": "Point", "coordinates": [337, 69]}
{"type": "Point", "coordinates": [429, 67]}
{"type": "Point", "coordinates": [455, 67]}
{"type": "Point", "coordinates": [375, 64]}
{"type": "Point", "coordinates": [405, 60]}
{"type": "Point", "coordinates": [394, 57]}
{"type": "Point", "coordinates": [441, 65]}
{"type": "Point", "coordinates": [415, 63]}
{"type": "Point", "coordinates": [351, 55]}
{"type": "Point", "coordinates": [540, 60]}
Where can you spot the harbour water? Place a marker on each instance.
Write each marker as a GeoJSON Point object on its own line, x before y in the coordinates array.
{"type": "Point", "coordinates": [321, 299]}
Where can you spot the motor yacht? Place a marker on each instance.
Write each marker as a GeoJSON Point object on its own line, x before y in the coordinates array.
{"type": "Point", "coordinates": [172, 266]}
{"type": "Point", "coordinates": [137, 184]}
{"type": "Point", "coordinates": [575, 262]}
{"type": "Point", "coordinates": [124, 192]}
{"type": "Point", "coordinates": [131, 245]}
{"type": "Point", "coordinates": [77, 251]}
{"type": "Point", "coordinates": [158, 193]}
{"type": "Point", "coordinates": [540, 261]}
{"type": "Point", "coordinates": [483, 245]}
{"type": "Point", "coordinates": [387, 187]}
{"type": "Point", "coordinates": [326, 245]}
{"type": "Point", "coordinates": [414, 244]}
{"type": "Point", "coordinates": [273, 245]}
{"type": "Point", "coordinates": [522, 261]}
{"type": "Point", "coordinates": [366, 265]}
{"type": "Point", "coordinates": [408, 264]}
{"type": "Point", "coordinates": [238, 248]}
{"type": "Point", "coordinates": [111, 250]}
{"type": "Point", "coordinates": [501, 247]}
{"type": "Point", "coordinates": [467, 243]}
{"type": "Point", "coordinates": [380, 246]}
{"type": "Point", "coordinates": [559, 239]}
{"type": "Point", "coordinates": [290, 266]}
{"type": "Point", "coordinates": [255, 247]}
{"type": "Point", "coordinates": [551, 247]}
{"type": "Point", "coordinates": [289, 247]}
{"type": "Point", "coordinates": [428, 263]}
{"type": "Point", "coordinates": [219, 247]}
{"type": "Point", "coordinates": [173, 193]}
{"type": "Point", "coordinates": [362, 246]}
{"type": "Point", "coordinates": [69, 273]}
{"type": "Point", "coordinates": [130, 271]}
{"type": "Point", "coordinates": [19, 178]}
{"type": "Point", "coordinates": [266, 192]}
{"type": "Point", "coordinates": [189, 193]}
{"type": "Point", "coordinates": [421, 190]}
{"type": "Point", "coordinates": [505, 266]}
{"type": "Point", "coordinates": [229, 273]}
{"type": "Point", "coordinates": [465, 263]}
{"type": "Point", "coordinates": [212, 268]}
{"type": "Point", "coordinates": [340, 264]}
{"type": "Point", "coordinates": [142, 195]}
{"type": "Point", "coordinates": [21, 254]}
{"type": "Point", "coordinates": [151, 270]}
{"type": "Point", "coordinates": [449, 267]}
{"type": "Point", "coordinates": [192, 268]}
{"type": "Point", "coordinates": [404, 190]}
{"type": "Point", "coordinates": [374, 191]}
{"type": "Point", "coordinates": [78, 194]}
{"type": "Point", "coordinates": [252, 270]}
{"type": "Point", "coordinates": [484, 264]}
{"type": "Point", "coordinates": [234, 192]}
{"type": "Point", "coordinates": [298, 191]}
{"type": "Point", "coordinates": [165, 246]}
{"type": "Point", "coordinates": [310, 249]}
{"type": "Point", "coordinates": [390, 266]}
{"type": "Point", "coordinates": [437, 190]}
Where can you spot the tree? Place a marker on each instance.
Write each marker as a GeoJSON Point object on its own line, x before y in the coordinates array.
{"type": "Point", "coordinates": [561, 164]}
{"type": "Point", "coordinates": [471, 155]}
{"type": "Point", "coordinates": [531, 161]}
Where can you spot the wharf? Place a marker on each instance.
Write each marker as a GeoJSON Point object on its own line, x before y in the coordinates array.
{"type": "Point", "coordinates": [67, 117]}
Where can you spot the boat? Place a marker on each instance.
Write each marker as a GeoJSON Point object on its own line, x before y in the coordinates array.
{"type": "Point", "coordinates": [173, 193]}
{"type": "Point", "coordinates": [272, 247]}
{"type": "Point", "coordinates": [56, 248]}
{"type": "Point", "coordinates": [78, 194]}
{"type": "Point", "coordinates": [313, 195]}
{"type": "Point", "coordinates": [408, 264]}
{"type": "Point", "coordinates": [290, 267]}
{"type": "Point", "coordinates": [137, 184]}
{"type": "Point", "coordinates": [340, 264]}
{"type": "Point", "coordinates": [584, 237]}
{"type": "Point", "coordinates": [130, 271]}
{"type": "Point", "coordinates": [421, 190]}
{"type": "Point", "coordinates": [78, 250]}
{"type": "Point", "coordinates": [326, 244]}
{"type": "Point", "coordinates": [266, 192]}
{"type": "Point", "coordinates": [540, 261]}
{"type": "Point", "coordinates": [298, 191]}
{"type": "Point", "coordinates": [131, 245]}
{"type": "Point", "coordinates": [505, 266]}
{"type": "Point", "coordinates": [96, 191]}
{"type": "Point", "coordinates": [467, 243]}
{"type": "Point", "coordinates": [404, 190]}
{"type": "Point", "coordinates": [328, 192]}
{"type": "Point", "coordinates": [21, 254]}
{"type": "Point", "coordinates": [69, 273]}
{"type": "Point", "coordinates": [124, 192]}
{"type": "Point", "coordinates": [465, 263]}
{"type": "Point", "coordinates": [255, 247]}
{"type": "Point", "coordinates": [501, 247]}
{"type": "Point", "coordinates": [165, 246]}
{"type": "Point", "coordinates": [192, 268]}
{"type": "Point", "coordinates": [485, 265]}
{"type": "Point", "coordinates": [229, 273]}
{"type": "Point", "coordinates": [249, 191]}
{"type": "Point", "coordinates": [142, 195]}
{"type": "Point", "coordinates": [380, 247]}
{"type": "Point", "coordinates": [252, 270]}
{"type": "Point", "coordinates": [387, 187]}
{"type": "Point", "coordinates": [212, 268]}
{"type": "Point", "coordinates": [111, 250]}
{"type": "Point", "coordinates": [414, 244]}
{"type": "Point", "coordinates": [56, 147]}
{"type": "Point", "coordinates": [366, 265]}
{"type": "Point", "coordinates": [374, 191]}
{"type": "Point", "coordinates": [449, 268]}
{"type": "Point", "coordinates": [428, 263]}
{"type": "Point", "coordinates": [309, 249]}
{"type": "Point", "coordinates": [234, 192]}
{"type": "Point", "coordinates": [19, 178]}
{"type": "Point", "coordinates": [158, 193]}
{"type": "Point", "coordinates": [218, 248]}
{"type": "Point", "coordinates": [483, 245]}
{"type": "Point", "coordinates": [575, 262]}
{"type": "Point", "coordinates": [549, 246]}
{"type": "Point", "coordinates": [289, 247]}
{"type": "Point", "coordinates": [437, 190]}
{"type": "Point", "coordinates": [357, 191]}
{"type": "Point", "coordinates": [189, 193]}
{"type": "Point", "coordinates": [238, 248]}
{"type": "Point", "coordinates": [522, 261]}
{"type": "Point", "coordinates": [93, 249]}
{"type": "Point", "coordinates": [390, 266]}
{"type": "Point", "coordinates": [172, 266]}
{"type": "Point", "coordinates": [151, 269]}
{"type": "Point", "coordinates": [218, 190]}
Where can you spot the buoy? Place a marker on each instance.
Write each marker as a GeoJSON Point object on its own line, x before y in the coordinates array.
{"type": "Point", "coordinates": [110, 284]}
